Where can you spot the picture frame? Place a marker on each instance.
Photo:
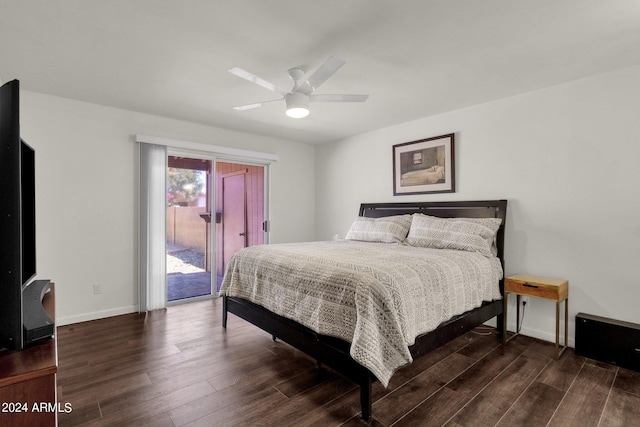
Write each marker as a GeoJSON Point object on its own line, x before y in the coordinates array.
{"type": "Point", "coordinates": [424, 166]}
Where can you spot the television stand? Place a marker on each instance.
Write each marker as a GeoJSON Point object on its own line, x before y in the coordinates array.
{"type": "Point", "coordinates": [28, 378]}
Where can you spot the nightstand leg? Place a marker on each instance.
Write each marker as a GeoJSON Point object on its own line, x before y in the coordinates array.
{"type": "Point", "coordinates": [505, 298]}
{"type": "Point", "coordinates": [518, 298]}
{"type": "Point", "coordinates": [559, 350]}
{"type": "Point", "coordinates": [566, 322]}
{"type": "Point", "coordinates": [557, 329]}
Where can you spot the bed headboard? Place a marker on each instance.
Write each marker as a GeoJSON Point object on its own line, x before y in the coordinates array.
{"type": "Point", "coordinates": [457, 209]}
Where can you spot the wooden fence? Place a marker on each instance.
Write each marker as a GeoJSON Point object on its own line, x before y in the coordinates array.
{"type": "Point", "coordinates": [185, 227]}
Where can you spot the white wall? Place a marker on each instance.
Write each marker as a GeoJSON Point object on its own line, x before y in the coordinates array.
{"type": "Point", "coordinates": [568, 160]}
{"type": "Point", "coordinates": [86, 196]}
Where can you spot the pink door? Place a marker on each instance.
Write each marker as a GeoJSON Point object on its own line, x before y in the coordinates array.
{"type": "Point", "coordinates": [234, 215]}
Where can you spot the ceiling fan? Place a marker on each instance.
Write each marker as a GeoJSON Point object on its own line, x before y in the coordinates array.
{"type": "Point", "coordinates": [302, 94]}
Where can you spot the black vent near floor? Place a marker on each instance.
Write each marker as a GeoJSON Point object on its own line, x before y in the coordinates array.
{"type": "Point", "coordinates": [608, 340]}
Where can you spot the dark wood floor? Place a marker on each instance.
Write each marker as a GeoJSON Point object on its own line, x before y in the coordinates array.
{"type": "Point", "coordinates": [178, 367]}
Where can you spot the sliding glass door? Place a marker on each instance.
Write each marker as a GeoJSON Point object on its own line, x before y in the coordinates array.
{"type": "Point", "coordinates": [214, 209]}
{"type": "Point", "coordinates": [184, 188]}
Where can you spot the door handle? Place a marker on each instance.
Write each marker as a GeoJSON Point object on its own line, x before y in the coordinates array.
{"type": "Point", "coordinates": [242, 234]}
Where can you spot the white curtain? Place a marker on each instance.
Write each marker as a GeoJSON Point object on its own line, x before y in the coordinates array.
{"type": "Point", "coordinates": [153, 240]}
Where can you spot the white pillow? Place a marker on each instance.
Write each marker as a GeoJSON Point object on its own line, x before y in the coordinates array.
{"type": "Point", "coordinates": [388, 229]}
{"type": "Point", "coordinates": [466, 234]}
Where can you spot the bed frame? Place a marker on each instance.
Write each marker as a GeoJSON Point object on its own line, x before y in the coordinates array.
{"type": "Point", "coordinates": [334, 352]}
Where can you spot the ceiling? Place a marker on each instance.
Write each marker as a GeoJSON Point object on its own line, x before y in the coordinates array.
{"type": "Point", "coordinates": [415, 58]}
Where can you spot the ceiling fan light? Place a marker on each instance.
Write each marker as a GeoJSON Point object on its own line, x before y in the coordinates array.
{"type": "Point", "coordinates": [297, 105]}
{"type": "Point", "coordinates": [297, 112]}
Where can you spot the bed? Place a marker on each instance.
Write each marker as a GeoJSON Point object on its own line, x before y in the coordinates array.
{"type": "Point", "coordinates": [375, 336]}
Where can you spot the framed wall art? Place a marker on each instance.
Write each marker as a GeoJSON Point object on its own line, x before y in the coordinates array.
{"type": "Point", "coordinates": [424, 166]}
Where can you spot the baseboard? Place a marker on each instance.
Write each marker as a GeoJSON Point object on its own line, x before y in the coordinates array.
{"type": "Point", "coordinates": [85, 317]}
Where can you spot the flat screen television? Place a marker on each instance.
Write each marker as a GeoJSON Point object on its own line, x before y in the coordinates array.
{"type": "Point", "coordinates": [17, 218]}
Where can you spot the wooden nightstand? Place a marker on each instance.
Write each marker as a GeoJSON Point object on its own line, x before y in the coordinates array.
{"type": "Point", "coordinates": [540, 287]}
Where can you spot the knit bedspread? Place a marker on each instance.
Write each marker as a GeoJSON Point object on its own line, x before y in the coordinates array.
{"type": "Point", "coordinates": [377, 296]}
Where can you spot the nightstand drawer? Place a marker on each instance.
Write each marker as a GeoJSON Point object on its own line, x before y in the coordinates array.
{"type": "Point", "coordinates": [535, 286]}
{"type": "Point", "coordinates": [531, 289]}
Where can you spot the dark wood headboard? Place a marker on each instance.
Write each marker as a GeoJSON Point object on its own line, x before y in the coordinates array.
{"type": "Point", "coordinates": [457, 209]}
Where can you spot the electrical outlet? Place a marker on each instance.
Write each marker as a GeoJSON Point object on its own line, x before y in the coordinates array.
{"type": "Point", "coordinates": [97, 288]}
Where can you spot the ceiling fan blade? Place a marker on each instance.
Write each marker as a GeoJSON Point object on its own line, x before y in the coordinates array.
{"type": "Point", "coordinates": [325, 71]}
{"type": "Point", "coordinates": [257, 80]}
{"type": "Point", "coordinates": [256, 105]}
{"type": "Point", "coordinates": [338, 98]}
